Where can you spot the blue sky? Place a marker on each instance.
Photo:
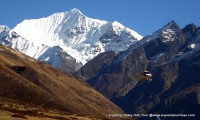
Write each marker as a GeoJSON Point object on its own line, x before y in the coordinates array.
{"type": "Point", "coordinates": [143, 16]}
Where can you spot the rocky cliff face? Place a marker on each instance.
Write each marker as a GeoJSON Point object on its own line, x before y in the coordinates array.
{"type": "Point", "coordinates": [174, 89]}
{"type": "Point", "coordinates": [124, 78]}
{"type": "Point", "coordinates": [96, 66]}
{"type": "Point", "coordinates": [172, 55]}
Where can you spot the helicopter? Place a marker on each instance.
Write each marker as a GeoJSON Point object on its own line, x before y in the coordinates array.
{"type": "Point", "coordinates": [145, 75]}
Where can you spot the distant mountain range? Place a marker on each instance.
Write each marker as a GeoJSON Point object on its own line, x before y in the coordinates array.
{"type": "Point", "coordinates": [67, 40]}
{"type": "Point", "coordinates": [172, 56]}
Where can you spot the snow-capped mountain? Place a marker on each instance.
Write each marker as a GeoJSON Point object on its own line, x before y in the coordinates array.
{"type": "Point", "coordinates": [167, 34]}
{"type": "Point", "coordinates": [80, 37]}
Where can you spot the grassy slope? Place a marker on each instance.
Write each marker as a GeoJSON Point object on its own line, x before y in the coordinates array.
{"type": "Point", "coordinates": [39, 84]}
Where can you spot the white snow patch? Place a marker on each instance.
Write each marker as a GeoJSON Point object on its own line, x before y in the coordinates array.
{"type": "Point", "coordinates": [192, 46]}
{"type": "Point", "coordinates": [168, 35]}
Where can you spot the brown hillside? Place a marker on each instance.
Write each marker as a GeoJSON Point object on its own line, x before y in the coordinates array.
{"type": "Point", "coordinates": [27, 80]}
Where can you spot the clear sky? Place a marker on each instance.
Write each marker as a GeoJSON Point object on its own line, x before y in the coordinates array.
{"type": "Point", "coordinates": [143, 16]}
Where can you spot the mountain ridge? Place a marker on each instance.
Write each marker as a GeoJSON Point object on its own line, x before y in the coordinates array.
{"type": "Point", "coordinates": [78, 36]}
{"type": "Point", "coordinates": [171, 54]}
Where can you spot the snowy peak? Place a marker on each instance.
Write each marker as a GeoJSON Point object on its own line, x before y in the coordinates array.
{"type": "Point", "coordinates": [78, 36]}
{"type": "Point", "coordinates": [166, 34]}
{"type": "Point", "coordinates": [170, 31]}
{"type": "Point", "coordinates": [119, 27]}
{"type": "Point", "coordinates": [116, 24]}
{"type": "Point", "coordinates": [65, 28]}
{"type": "Point", "coordinates": [171, 26]}
{"type": "Point", "coordinates": [4, 30]}
{"type": "Point", "coordinates": [75, 11]}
